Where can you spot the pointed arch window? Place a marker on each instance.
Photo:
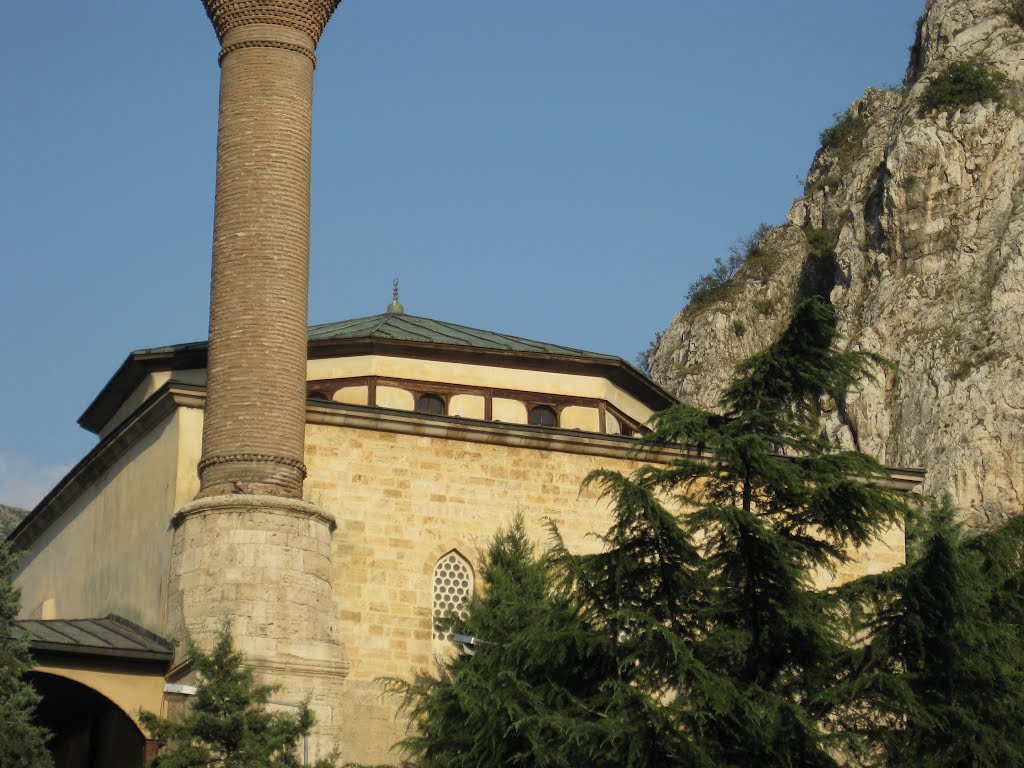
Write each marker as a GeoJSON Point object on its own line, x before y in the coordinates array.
{"type": "Point", "coordinates": [453, 589]}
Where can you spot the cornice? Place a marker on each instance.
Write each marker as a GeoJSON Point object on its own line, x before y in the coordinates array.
{"type": "Point", "coordinates": [193, 356]}
{"type": "Point", "coordinates": [175, 395]}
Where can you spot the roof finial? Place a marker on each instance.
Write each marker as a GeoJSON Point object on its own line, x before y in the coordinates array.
{"type": "Point", "coordinates": [395, 307]}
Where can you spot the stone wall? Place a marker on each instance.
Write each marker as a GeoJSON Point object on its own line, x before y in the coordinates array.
{"type": "Point", "coordinates": [401, 502]}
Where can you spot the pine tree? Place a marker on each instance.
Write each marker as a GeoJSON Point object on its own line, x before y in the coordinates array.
{"type": "Point", "coordinates": [945, 661]}
{"type": "Point", "coordinates": [227, 724]}
{"type": "Point", "coordinates": [727, 632]}
{"type": "Point", "coordinates": [697, 636]}
{"type": "Point", "coordinates": [533, 677]}
{"type": "Point", "coordinates": [22, 742]}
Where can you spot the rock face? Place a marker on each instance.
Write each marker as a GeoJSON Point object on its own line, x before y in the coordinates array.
{"type": "Point", "coordinates": [913, 224]}
{"type": "Point", "coordinates": [9, 518]}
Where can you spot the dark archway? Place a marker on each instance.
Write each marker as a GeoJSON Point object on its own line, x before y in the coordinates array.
{"type": "Point", "coordinates": [89, 730]}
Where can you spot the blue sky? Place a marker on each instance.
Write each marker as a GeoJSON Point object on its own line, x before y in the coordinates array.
{"type": "Point", "coordinates": [555, 169]}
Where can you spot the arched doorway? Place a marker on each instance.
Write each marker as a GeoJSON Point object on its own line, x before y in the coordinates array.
{"type": "Point", "coordinates": [89, 730]}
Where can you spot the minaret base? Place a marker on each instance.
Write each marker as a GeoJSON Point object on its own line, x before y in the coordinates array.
{"type": "Point", "coordinates": [264, 564]}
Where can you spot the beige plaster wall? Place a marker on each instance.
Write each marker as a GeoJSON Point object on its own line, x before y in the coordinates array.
{"type": "Point", "coordinates": [354, 395]}
{"type": "Point", "coordinates": [190, 449]}
{"type": "Point", "coordinates": [508, 411]}
{"type": "Point", "coordinates": [130, 687]}
{"type": "Point", "coordinates": [150, 384]}
{"type": "Point", "coordinates": [466, 406]}
{"type": "Point", "coordinates": [109, 551]}
{"type": "Point", "coordinates": [393, 397]}
{"type": "Point", "coordinates": [480, 376]}
{"type": "Point", "coordinates": [577, 417]}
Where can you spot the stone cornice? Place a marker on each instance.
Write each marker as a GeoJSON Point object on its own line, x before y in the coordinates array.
{"type": "Point", "coordinates": [175, 395]}
{"type": "Point", "coordinates": [247, 502]}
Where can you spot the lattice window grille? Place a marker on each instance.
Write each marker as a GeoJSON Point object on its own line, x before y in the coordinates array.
{"type": "Point", "coordinates": [453, 589]}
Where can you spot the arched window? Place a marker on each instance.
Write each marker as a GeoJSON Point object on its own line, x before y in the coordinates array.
{"type": "Point", "coordinates": [429, 403]}
{"type": "Point", "coordinates": [543, 416]}
{"type": "Point", "coordinates": [453, 589]}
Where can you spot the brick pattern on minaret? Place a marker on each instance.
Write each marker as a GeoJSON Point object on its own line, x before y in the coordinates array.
{"type": "Point", "coordinates": [255, 413]}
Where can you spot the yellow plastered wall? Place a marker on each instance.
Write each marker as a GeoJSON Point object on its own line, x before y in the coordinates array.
{"type": "Point", "coordinates": [478, 376]}
{"type": "Point", "coordinates": [150, 383]}
{"type": "Point", "coordinates": [353, 395]}
{"type": "Point", "coordinates": [576, 417]}
{"type": "Point", "coordinates": [130, 687]}
{"type": "Point", "coordinates": [393, 397]}
{"type": "Point", "coordinates": [508, 411]}
{"type": "Point", "coordinates": [466, 406]}
{"type": "Point", "coordinates": [109, 551]}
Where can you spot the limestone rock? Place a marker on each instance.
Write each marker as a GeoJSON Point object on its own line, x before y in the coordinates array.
{"type": "Point", "coordinates": [914, 225]}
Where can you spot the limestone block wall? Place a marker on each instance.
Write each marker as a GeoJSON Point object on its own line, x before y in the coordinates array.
{"type": "Point", "coordinates": [264, 564]}
{"type": "Point", "coordinates": [402, 502]}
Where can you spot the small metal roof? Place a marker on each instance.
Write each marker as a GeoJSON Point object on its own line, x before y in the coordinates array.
{"type": "Point", "coordinates": [113, 636]}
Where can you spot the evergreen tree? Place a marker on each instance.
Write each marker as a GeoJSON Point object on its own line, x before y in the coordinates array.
{"type": "Point", "coordinates": [227, 724]}
{"type": "Point", "coordinates": [22, 742]}
{"type": "Point", "coordinates": [696, 637]}
{"type": "Point", "coordinates": [945, 661]}
{"type": "Point", "coordinates": [728, 632]}
{"type": "Point", "coordinates": [535, 675]}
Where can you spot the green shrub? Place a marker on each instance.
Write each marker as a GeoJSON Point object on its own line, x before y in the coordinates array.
{"type": "Point", "coordinates": [739, 328]}
{"type": "Point", "coordinates": [749, 250]}
{"type": "Point", "coordinates": [644, 359]}
{"type": "Point", "coordinates": [963, 83]}
{"type": "Point", "coordinates": [846, 130]}
{"type": "Point", "coordinates": [822, 241]}
{"type": "Point", "coordinates": [765, 307]}
{"type": "Point", "coordinates": [824, 181]}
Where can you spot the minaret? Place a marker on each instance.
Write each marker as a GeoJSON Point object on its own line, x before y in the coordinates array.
{"type": "Point", "coordinates": [255, 411]}
{"type": "Point", "coordinates": [248, 549]}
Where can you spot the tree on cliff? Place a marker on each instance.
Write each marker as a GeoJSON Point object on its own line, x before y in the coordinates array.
{"type": "Point", "coordinates": [696, 638]}
{"type": "Point", "coordinates": [22, 742]}
{"type": "Point", "coordinates": [227, 724]}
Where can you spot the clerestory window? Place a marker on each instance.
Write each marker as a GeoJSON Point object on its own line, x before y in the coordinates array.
{"type": "Point", "coordinates": [430, 403]}
{"type": "Point", "coordinates": [543, 416]}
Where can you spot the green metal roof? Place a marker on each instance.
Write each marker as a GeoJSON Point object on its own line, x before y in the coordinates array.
{"type": "Point", "coordinates": [111, 636]}
{"type": "Point", "coordinates": [401, 327]}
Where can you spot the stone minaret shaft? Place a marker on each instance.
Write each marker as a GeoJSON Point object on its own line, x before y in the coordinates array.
{"type": "Point", "coordinates": [255, 413]}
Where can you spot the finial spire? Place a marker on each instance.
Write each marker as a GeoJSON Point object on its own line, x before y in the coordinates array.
{"type": "Point", "coordinates": [395, 307]}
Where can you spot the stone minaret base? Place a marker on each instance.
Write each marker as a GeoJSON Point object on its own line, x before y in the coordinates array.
{"type": "Point", "coordinates": [264, 564]}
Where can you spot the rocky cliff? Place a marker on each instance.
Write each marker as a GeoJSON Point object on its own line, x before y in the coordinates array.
{"type": "Point", "coordinates": [9, 518]}
{"type": "Point", "coordinates": [912, 222]}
